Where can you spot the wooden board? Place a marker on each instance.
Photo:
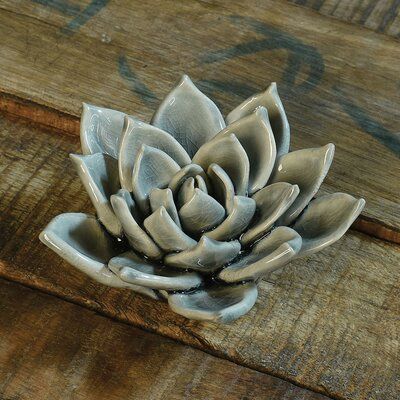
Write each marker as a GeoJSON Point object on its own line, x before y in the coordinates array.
{"type": "Point", "coordinates": [339, 82]}
{"type": "Point", "coordinates": [52, 349]}
{"type": "Point", "coordinates": [380, 15]}
{"type": "Point", "coordinates": [329, 323]}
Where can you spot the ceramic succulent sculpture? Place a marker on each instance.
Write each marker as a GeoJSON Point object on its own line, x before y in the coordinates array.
{"type": "Point", "coordinates": [195, 209]}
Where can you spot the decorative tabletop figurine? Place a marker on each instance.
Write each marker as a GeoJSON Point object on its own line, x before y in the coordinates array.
{"type": "Point", "coordinates": [195, 209]}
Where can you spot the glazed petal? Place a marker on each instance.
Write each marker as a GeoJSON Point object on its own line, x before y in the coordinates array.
{"type": "Point", "coordinates": [153, 169]}
{"type": "Point", "coordinates": [136, 270]}
{"type": "Point", "coordinates": [201, 213]}
{"type": "Point", "coordinates": [189, 116]}
{"type": "Point", "coordinates": [124, 207]}
{"type": "Point", "coordinates": [186, 192]}
{"type": "Point", "coordinates": [200, 183]}
{"type": "Point", "coordinates": [268, 254]}
{"type": "Point", "coordinates": [228, 153]}
{"type": "Point", "coordinates": [101, 130]}
{"type": "Point", "coordinates": [216, 304]}
{"type": "Point", "coordinates": [306, 168]}
{"type": "Point", "coordinates": [222, 185]}
{"type": "Point", "coordinates": [255, 134]}
{"type": "Point", "coordinates": [166, 233]}
{"type": "Point", "coordinates": [242, 212]}
{"type": "Point", "coordinates": [82, 242]}
{"type": "Point", "coordinates": [186, 172]}
{"type": "Point", "coordinates": [206, 256]}
{"type": "Point", "coordinates": [271, 203]}
{"type": "Point", "coordinates": [163, 197]}
{"type": "Point", "coordinates": [271, 101]}
{"type": "Point", "coordinates": [326, 220]}
{"type": "Point", "coordinates": [99, 175]}
{"type": "Point", "coordinates": [137, 133]}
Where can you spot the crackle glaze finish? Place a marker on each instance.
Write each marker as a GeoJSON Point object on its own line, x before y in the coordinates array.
{"type": "Point", "coordinates": [195, 209]}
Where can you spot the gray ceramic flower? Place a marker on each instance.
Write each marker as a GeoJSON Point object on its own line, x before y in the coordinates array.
{"type": "Point", "coordinates": [195, 211]}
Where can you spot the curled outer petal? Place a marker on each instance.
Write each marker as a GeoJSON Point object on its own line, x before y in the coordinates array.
{"type": "Point", "coordinates": [99, 175]}
{"type": "Point", "coordinates": [326, 220]}
{"type": "Point", "coordinates": [268, 254]}
{"type": "Point", "coordinates": [217, 304]}
{"type": "Point", "coordinates": [306, 168]}
{"type": "Point", "coordinates": [81, 241]}
{"type": "Point", "coordinates": [131, 268]}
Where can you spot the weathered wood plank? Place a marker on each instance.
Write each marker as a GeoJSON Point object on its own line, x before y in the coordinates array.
{"type": "Point", "coordinates": [52, 349]}
{"type": "Point", "coordinates": [339, 82]}
{"type": "Point", "coordinates": [329, 323]}
{"type": "Point", "coordinates": [380, 15]}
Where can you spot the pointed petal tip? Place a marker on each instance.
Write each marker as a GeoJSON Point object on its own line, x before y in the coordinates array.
{"type": "Point", "coordinates": [85, 113]}
{"type": "Point", "coordinates": [86, 107]}
{"type": "Point", "coordinates": [127, 121]}
{"type": "Point", "coordinates": [330, 147]}
{"type": "Point", "coordinates": [233, 137]}
{"type": "Point", "coordinates": [262, 112]}
{"type": "Point", "coordinates": [294, 191]}
{"type": "Point", "coordinates": [78, 159]}
{"type": "Point", "coordinates": [42, 236]}
{"type": "Point", "coordinates": [186, 78]}
{"type": "Point", "coordinates": [75, 158]}
{"type": "Point", "coordinates": [329, 150]}
{"type": "Point", "coordinates": [361, 203]}
{"type": "Point", "coordinates": [272, 88]}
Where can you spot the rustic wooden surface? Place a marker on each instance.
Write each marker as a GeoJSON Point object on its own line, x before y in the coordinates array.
{"type": "Point", "coordinates": [339, 82]}
{"type": "Point", "coordinates": [329, 323]}
{"type": "Point", "coordinates": [52, 349]}
{"type": "Point", "coordinates": [380, 15]}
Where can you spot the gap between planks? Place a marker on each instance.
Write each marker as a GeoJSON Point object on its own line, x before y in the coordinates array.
{"type": "Point", "coordinates": [35, 327]}
{"type": "Point", "coordinates": [200, 345]}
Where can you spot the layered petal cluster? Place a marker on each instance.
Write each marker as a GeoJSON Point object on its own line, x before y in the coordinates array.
{"type": "Point", "coordinates": [195, 209]}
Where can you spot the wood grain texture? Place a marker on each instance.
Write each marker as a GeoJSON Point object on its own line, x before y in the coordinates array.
{"type": "Point", "coordinates": [52, 349]}
{"type": "Point", "coordinates": [329, 323]}
{"type": "Point", "coordinates": [120, 55]}
{"type": "Point", "coordinates": [380, 15]}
